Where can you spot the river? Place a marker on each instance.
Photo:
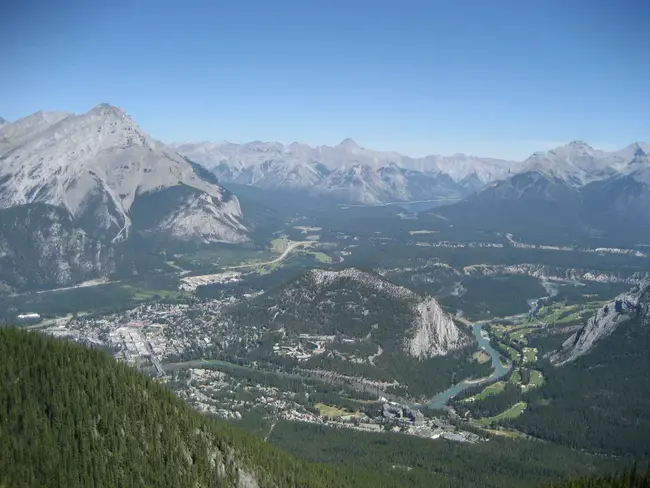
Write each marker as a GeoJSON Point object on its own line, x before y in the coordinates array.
{"type": "Point", "coordinates": [437, 402]}
{"type": "Point", "coordinates": [440, 400]}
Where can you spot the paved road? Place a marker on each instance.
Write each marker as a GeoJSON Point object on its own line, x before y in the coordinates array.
{"type": "Point", "coordinates": [282, 256]}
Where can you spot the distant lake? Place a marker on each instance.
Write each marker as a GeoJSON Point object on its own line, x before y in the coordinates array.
{"type": "Point", "coordinates": [422, 206]}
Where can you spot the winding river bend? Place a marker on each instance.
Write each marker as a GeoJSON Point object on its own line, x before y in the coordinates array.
{"type": "Point", "coordinates": [440, 400]}
{"type": "Point", "coordinates": [437, 402]}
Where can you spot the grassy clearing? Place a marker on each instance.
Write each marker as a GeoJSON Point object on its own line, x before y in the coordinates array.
{"type": "Point", "coordinates": [280, 244]}
{"type": "Point", "coordinates": [530, 354]}
{"type": "Point", "coordinates": [481, 357]}
{"type": "Point", "coordinates": [142, 294]}
{"type": "Point", "coordinates": [515, 411]}
{"type": "Point", "coordinates": [561, 313]}
{"type": "Point", "coordinates": [493, 389]}
{"type": "Point", "coordinates": [223, 257]}
{"type": "Point", "coordinates": [330, 411]}
{"type": "Point", "coordinates": [536, 378]}
{"type": "Point", "coordinates": [505, 433]}
{"type": "Point", "coordinates": [321, 257]}
{"type": "Point", "coordinates": [519, 335]}
{"type": "Point", "coordinates": [513, 354]}
{"type": "Point", "coordinates": [516, 377]}
{"type": "Point", "coordinates": [266, 268]}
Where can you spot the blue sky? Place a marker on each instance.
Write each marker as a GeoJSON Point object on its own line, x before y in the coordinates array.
{"type": "Point", "coordinates": [495, 78]}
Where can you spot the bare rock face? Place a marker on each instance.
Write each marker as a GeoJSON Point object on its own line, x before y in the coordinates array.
{"type": "Point", "coordinates": [606, 321]}
{"type": "Point", "coordinates": [89, 181]}
{"type": "Point", "coordinates": [431, 332]}
{"type": "Point", "coordinates": [434, 332]}
{"type": "Point", "coordinates": [98, 165]}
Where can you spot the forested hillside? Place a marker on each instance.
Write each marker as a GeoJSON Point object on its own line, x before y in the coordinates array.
{"type": "Point", "coordinates": [632, 479]}
{"type": "Point", "coordinates": [599, 402]}
{"type": "Point", "coordinates": [74, 417]}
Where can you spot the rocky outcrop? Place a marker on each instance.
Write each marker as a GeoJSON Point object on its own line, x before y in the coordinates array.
{"type": "Point", "coordinates": [434, 332]}
{"type": "Point", "coordinates": [607, 320]}
{"type": "Point", "coordinates": [555, 273]}
{"type": "Point", "coordinates": [322, 277]}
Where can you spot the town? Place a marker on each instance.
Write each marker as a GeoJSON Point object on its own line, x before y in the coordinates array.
{"type": "Point", "coordinates": [175, 341]}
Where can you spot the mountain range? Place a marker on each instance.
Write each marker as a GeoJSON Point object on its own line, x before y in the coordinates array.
{"type": "Point", "coordinates": [74, 185]}
{"type": "Point", "coordinates": [359, 175]}
{"type": "Point", "coordinates": [80, 186]}
{"type": "Point", "coordinates": [347, 171]}
{"type": "Point", "coordinates": [567, 194]}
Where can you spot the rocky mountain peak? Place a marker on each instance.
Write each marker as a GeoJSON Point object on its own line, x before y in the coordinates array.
{"type": "Point", "coordinates": [108, 109]}
{"type": "Point", "coordinates": [349, 144]}
{"type": "Point", "coordinates": [22, 129]}
{"type": "Point", "coordinates": [101, 162]}
{"type": "Point", "coordinates": [579, 144]}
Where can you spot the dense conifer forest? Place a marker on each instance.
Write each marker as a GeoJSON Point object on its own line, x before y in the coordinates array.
{"type": "Point", "coordinates": [72, 416]}
{"type": "Point", "coordinates": [631, 479]}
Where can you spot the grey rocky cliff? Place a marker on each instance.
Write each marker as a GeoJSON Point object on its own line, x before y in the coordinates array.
{"type": "Point", "coordinates": [607, 319]}
{"type": "Point", "coordinates": [432, 332]}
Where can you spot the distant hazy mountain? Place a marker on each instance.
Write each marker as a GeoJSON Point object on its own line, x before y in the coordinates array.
{"type": "Point", "coordinates": [577, 163]}
{"type": "Point", "coordinates": [108, 180]}
{"type": "Point", "coordinates": [21, 130]}
{"type": "Point", "coordinates": [623, 199]}
{"type": "Point", "coordinates": [346, 171]}
{"type": "Point", "coordinates": [571, 190]}
{"type": "Point", "coordinates": [353, 173]}
{"type": "Point", "coordinates": [3, 122]}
